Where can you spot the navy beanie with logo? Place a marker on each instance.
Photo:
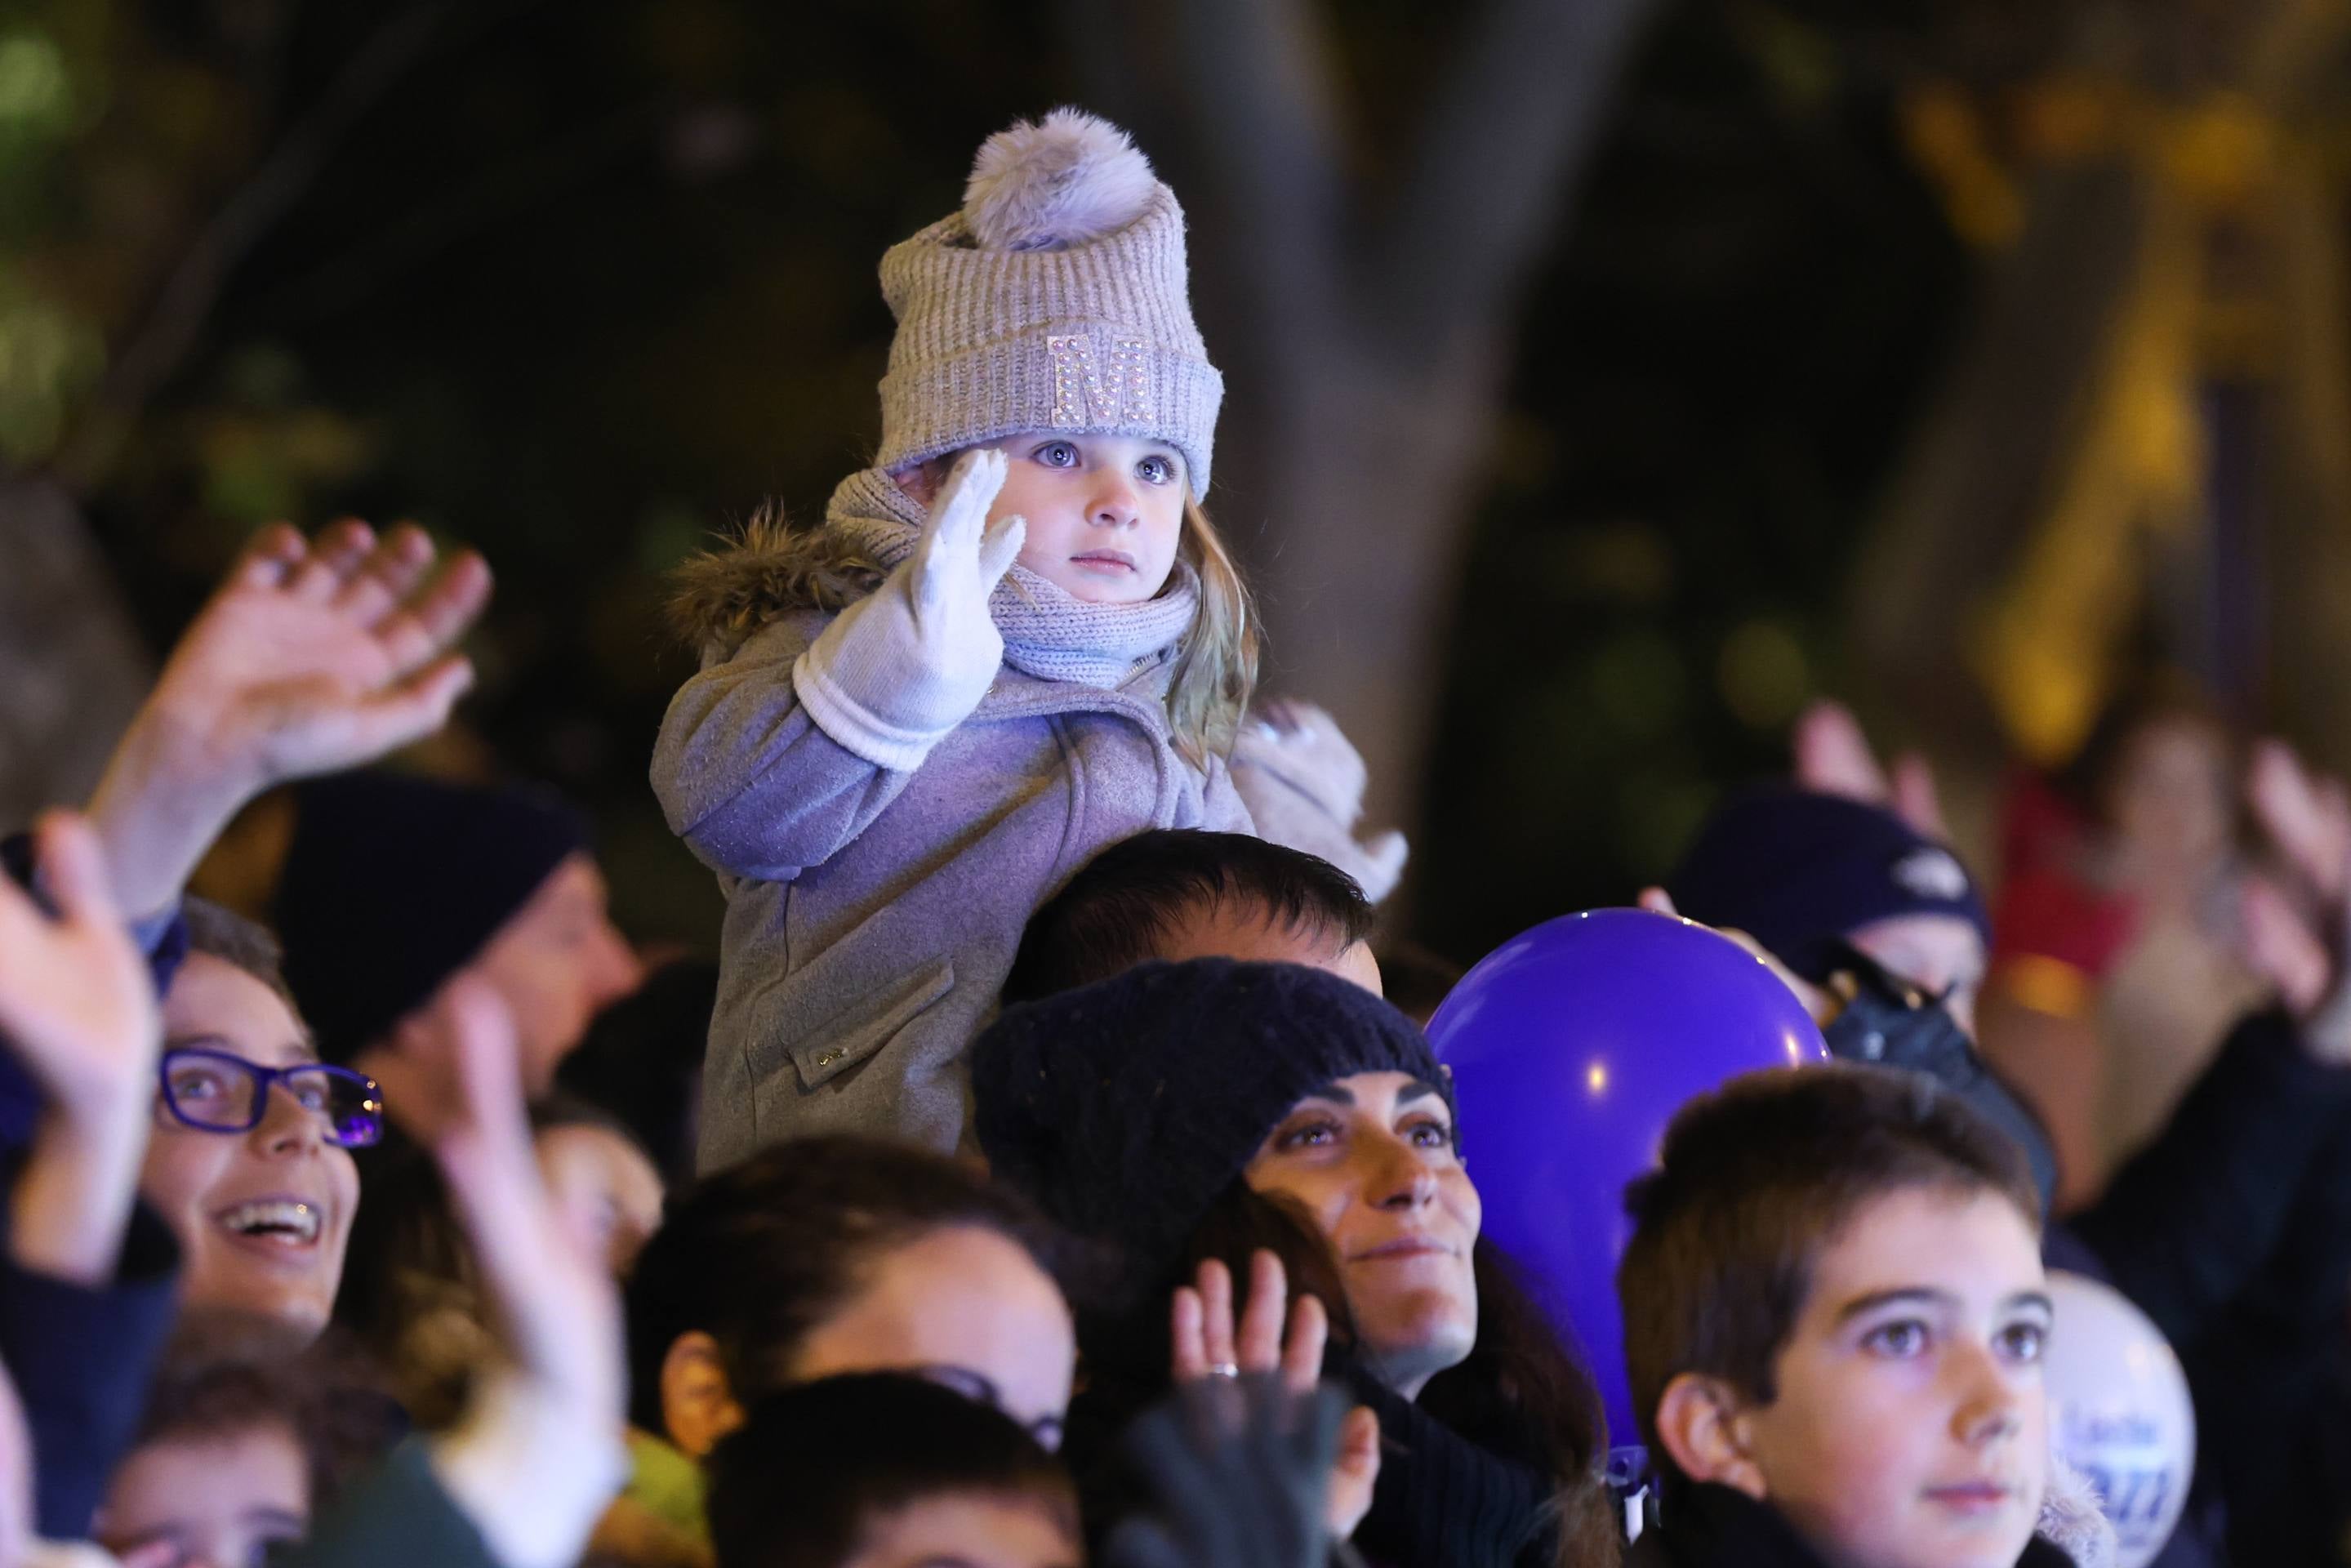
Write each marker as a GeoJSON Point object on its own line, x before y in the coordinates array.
{"type": "Point", "coordinates": [1800, 870]}
{"type": "Point", "coordinates": [1124, 1109]}
{"type": "Point", "coordinates": [393, 884]}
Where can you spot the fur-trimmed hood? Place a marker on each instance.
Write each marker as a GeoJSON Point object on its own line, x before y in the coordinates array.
{"type": "Point", "coordinates": [768, 569]}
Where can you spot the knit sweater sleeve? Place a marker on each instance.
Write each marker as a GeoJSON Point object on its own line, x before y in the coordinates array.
{"type": "Point", "coordinates": [2190, 1218]}
{"type": "Point", "coordinates": [750, 778]}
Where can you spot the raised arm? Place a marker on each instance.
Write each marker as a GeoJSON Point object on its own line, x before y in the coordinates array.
{"type": "Point", "coordinates": [768, 764]}
{"type": "Point", "coordinates": [313, 656]}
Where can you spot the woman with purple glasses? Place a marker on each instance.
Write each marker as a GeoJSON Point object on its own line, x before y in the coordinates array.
{"type": "Point", "coordinates": [250, 1161]}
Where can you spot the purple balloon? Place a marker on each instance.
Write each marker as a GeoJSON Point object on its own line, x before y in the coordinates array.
{"type": "Point", "coordinates": [1571, 1046]}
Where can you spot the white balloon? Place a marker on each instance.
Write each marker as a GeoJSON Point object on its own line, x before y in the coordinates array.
{"type": "Point", "coordinates": [2119, 1412]}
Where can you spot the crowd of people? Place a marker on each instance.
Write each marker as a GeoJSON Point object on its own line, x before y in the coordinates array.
{"type": "Point", "coordinates": [1051, 1169]}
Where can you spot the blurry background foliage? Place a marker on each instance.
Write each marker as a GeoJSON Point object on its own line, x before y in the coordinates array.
{"type": "Point", "coordinates": [580, 285]}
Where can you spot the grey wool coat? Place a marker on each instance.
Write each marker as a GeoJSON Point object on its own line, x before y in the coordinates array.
{"type": "Point", "coordinates": [872, 914]}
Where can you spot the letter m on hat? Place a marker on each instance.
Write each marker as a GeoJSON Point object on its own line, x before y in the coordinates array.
{"type": "Point", "coordinates": [1093, 391]}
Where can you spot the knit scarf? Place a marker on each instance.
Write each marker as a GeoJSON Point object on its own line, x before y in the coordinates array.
{"type": "Point", "coordinates": [1046, 633]}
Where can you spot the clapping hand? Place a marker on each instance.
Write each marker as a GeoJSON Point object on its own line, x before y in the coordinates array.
{"type": "Point", "coordinates": [313, 656]}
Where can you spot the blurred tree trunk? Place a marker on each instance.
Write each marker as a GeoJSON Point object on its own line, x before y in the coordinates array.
{"type": "Point", "coordinates": [72, 670]}
{"type": "Point", "coordinates": [1365, 333]}
{"type": "Point", "coordinates": [71, 667]}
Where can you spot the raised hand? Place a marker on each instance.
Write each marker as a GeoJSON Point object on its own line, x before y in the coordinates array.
{"type": "Point", "coordinates": [311, 657]}
{"type": "Point", "coordinates": [76, 1006]}
{"type": "Point", "coordinates": [555, 1300]}
{"type": "Point", "coordinates": [962, 556]}
{"type": "Point", "coordinates": [2307, 819]}
{"type": "Point", "coordinates": [901, 668]}
{"type": "Point", "coordinates": [539, 1454]}
{"type": "Point", "coordinates": [1834, 756]}
{"type": "Point", "coordinates": [1207, 1342]}
{"type": "Point", "coordinates": [77, 1010]}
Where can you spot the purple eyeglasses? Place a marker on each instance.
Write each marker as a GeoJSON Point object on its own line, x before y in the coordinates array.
{"type": "Point", "coordinates": [213, 1091]}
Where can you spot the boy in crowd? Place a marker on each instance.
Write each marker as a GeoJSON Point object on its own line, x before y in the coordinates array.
{"type": "Point", "coordinates": [1834, 1311]}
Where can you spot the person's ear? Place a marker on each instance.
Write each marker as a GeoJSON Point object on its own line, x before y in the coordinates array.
{"type": "Point", "coordinates": [697, 1406]}
{"type": "Point", "coordinates": [1701, 1422]}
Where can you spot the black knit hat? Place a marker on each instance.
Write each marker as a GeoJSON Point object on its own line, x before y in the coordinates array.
{"type": "Point", "coordinates": [393, 884]}
{"type": "Point", "coordinates": [1126, 1108]}
{"type": "Point", "coordinates": [1800, 872]}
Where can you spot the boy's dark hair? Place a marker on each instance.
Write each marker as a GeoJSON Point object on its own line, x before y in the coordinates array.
{"type": "Point", "coordinates": [221, 933]}
{"type": "Point", "coordinates": [224, 1374]}
{"type": "Point", "coordinates": [1753, 1181]}
{"type": "Point", "coordinates": [757, 1255]}
{"type": "Point", "coordinates": [1116, 911]}
{"type": "Point", "coordinates": [813, 1467]}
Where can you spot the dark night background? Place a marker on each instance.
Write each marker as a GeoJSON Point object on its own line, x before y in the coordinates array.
{"type": "Point", "coordinates": [586, 283]}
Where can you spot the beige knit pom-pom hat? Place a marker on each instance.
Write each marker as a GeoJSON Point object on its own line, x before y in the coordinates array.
{"type": "Point", "coordinates": [1054, 301]}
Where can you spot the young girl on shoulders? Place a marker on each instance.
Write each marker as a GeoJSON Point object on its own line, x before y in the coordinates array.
{"type": "Point", "coordinates": [1015, 640]}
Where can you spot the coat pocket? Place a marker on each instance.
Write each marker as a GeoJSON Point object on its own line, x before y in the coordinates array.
{"type": "Point", "coordinates": [856, 1033]}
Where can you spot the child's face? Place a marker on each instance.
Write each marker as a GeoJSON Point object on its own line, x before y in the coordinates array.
{"type": "Point", "coordinates": [206, 1184]}
{"type": "Point", "coordinates": [1909, 1428]}
{"type": "Point", "coordinates": [967, 1531]}
{"type": "Point", "coordinates": [1104, 512]}
{"type": "Point", "coordinates": [607, 1191]}
{"type": "Point", "coordinates": [217, 1501]}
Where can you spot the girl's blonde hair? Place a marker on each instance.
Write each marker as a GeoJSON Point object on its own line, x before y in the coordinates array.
{"type": "Point", "coordinates": [1216, 665]}
{"type": "Point", "coordinates": [774, 568]}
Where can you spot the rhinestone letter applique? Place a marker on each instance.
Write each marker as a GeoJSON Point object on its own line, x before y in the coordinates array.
{"type": "Point", "coordinates": [1086, 393]}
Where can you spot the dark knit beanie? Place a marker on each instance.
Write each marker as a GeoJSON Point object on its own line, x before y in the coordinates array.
{"type": "Point", "coordinates": [1800, 870]}
{"type": "Point", "coordinates": [1126, 1108]}
{"type": "Point", "coordinates": [393, 884]}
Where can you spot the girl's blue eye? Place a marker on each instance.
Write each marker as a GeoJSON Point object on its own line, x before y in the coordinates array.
{"type": "Point", "coordinates": [1057, 454]}
{"type": "Point", "coordinates": [1155, 470]}
{"type": "Point", "coordinates": [1899, 1340]}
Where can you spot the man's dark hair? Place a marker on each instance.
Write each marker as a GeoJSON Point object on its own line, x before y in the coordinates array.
{"type": "Point", "coordinates": [1115, 913]}
{"type": "Point", "coordinates": [814, 1466]}
{"type": "Point", "coordinates": [1754, 1182]}
{"type": "Point", "coordinates": [758, 1255]}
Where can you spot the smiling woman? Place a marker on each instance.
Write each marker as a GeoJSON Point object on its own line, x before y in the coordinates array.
{"type": "Point", "coordinates": [1205, 1110]}
{"type": "Point", "coordinates": [250, 1167]}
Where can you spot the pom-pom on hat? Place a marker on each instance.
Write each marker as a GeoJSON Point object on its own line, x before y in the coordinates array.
{"type": "Point", "coordinates": [1800, 870]}
{"type": "Point", "coordinates": [1055, 300]}
{"type": "Point", "coordinates": [1126, 1108]}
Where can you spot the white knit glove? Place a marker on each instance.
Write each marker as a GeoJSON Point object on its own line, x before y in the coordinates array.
{"type": "Point", "coordinates": [901, 668]}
